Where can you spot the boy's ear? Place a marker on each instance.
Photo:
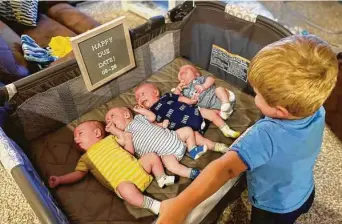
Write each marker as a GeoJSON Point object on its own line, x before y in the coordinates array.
{"type": "Point", "coordinates": [282, 112]}
{"type": "Point", "coordinates": [156, 92]}
{"type": "Point", "coordinates": [98, 132]}
{"type": "Point", "coordinates": [198, 74]}
{"type": "Point", "coordinates": [127, 115]}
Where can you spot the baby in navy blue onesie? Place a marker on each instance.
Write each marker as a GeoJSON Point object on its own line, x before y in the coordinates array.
{"type": "Point", "coordinates": [172, 107]}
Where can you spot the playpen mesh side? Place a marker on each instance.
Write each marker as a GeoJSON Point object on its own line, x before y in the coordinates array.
{"type": "Point", "coordinates": [207, 27]}
{"type": "Point", "coordinates": [14, 159]}
{"type": "Point", "coordinates": [58, 106]}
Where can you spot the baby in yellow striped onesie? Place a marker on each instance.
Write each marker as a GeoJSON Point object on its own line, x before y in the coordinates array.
{"type": "Point", "coordinates": [114, 167]}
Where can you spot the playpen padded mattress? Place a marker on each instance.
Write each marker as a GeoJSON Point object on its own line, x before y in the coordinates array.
{"type": "Point", "coordinates": [88, 201]}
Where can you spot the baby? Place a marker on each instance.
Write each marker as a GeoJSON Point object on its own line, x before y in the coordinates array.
{"type": "Point", "coordinates": [114, 167]}
{"type": "Point", "coordinates": [140, 135]}
{"type": "Point", "coordinates": [177, 110]}
{"type": "Point", "coordinates": [202, 91]}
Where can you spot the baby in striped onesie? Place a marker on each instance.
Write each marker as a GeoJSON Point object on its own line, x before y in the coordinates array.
{"type": "Point", "coordinates": [114, 167]}
{"type": "Point", "coordinates": [140, 135]}
{"type": "Point", "coordinates": [201, 90]}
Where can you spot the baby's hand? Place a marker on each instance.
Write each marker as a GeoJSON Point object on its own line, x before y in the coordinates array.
{"type": "Point", "coordinates": [195, 97]}
{"type": "Point", "coordinates": [166, 123]}
{"type": "Point", "coordinates": [181, 85]}
{"type": "Point", "coordinates": [53, 181]}
{"type": "Point", "coordinates": [192, 101]}
{"type": "Point", "coordinates": [199, 88]}
{"type": "Point", "coordinates": [110, 127]}
{"type": "Point", "coordinates": [138, 108]}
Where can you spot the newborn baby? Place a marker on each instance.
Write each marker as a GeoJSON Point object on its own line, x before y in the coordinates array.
{"type": "Point", "coordinates": [114, 167]}
{"type": "Point", "coordinates": [139, 135]}
{"type": "Point", "coordinates": [177, 110]}
{"type": "Point", "coordinates": [201, 90]}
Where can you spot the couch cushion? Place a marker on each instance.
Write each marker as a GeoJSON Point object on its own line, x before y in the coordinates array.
{"type": "Point", "coordinates": [72, 18]}
{"type": "Point", "coordinates": [46, 29]}
{"type": "Point", "coordinates": [10, 70]}
{"type": "Point", "coordinates": [12, 62]}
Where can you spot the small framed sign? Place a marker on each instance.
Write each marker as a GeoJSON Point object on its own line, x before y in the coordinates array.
{"type": "Point", "coordinates": [104, 53]}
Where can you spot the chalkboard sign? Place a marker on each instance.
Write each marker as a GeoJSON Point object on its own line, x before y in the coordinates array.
{"type": "Point", "coordinates": [104, 53]}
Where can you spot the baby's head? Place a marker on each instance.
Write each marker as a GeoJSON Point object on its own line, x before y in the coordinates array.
{"type": "Point", "coordinates": [293, 77]}
{"type": "Point", "coordinates": [187, 73]}
{"type": "Point", "coordinates": [119, 116]}
{"type": "Point", "coordinates": [88, 133]}
{"type": "Point", "coordinates": [146, 95]}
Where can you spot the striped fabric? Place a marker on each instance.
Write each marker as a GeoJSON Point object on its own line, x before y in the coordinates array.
{"type": "Point", "coordinates": [148, 137]}
{"type": "Point", "coordinates": [111, 165]}
{"type": "Point", "coordinates": [23, 12]}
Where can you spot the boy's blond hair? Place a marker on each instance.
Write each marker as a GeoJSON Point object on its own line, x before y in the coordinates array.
{"type": "Point", "coordinates": [297, 73]}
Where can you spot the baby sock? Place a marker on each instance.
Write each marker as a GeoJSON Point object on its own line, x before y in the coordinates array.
{"type": "Point", "coordinates": [220, 147]}
{"type": "Point", "coordinates": [164, 179]}
{"type": "Point", "coordinates": [194, 173]}
{"type": "Point", "coordinates": [197, 151]}
{"type": "Point", "coordinates": [151, 204]}
{"type": "Point", "coordinates": [229, 132]}
{"type": "Point", "coordinates": [226, 110]}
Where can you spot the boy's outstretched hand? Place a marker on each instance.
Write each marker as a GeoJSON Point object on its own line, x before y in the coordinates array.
{"type": "Point", "coordinates": [170, 213]}
{"type": "Point", "coordinates": [53, 181]}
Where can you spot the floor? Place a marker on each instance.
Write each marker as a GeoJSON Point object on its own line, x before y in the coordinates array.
{"type": "Point", "coordinates": [327, 208]}
{"type": "Point", "coordinates": [324, 17]}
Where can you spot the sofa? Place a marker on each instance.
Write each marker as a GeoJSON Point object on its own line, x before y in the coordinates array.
{"type": "Point", "coordinates": [53, 19]}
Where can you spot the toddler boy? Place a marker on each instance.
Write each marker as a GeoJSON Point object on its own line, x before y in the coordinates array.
{"type": "Point", "coordinates": [292, 78]}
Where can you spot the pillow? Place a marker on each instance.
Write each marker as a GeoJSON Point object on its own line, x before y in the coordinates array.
{"type": "Point", "coordinates": [23, 12]}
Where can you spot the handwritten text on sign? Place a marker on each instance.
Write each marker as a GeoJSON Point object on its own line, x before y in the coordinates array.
{"type": "Point", "coordinates": [102, 51]}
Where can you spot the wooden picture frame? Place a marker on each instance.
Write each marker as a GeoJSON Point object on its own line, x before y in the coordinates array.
{"type": "Point", "coordinates": [104, 53]}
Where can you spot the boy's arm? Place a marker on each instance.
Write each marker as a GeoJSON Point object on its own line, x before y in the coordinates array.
{"type": "Point", "coordinates": [110, 127]}
{"type": "Point", "coordinates": [176, 91]}
{"type": "Point", "coordinates": [212, 178]}
{"type": "Point", "coordinates": [187, 100]}
{"type": "Point", "coordinates": [179, 88]}
{"type": "Point", "coordinates": [209, 81]}
{"type": "Point", "coordinates": [128, 145]}
{"type": "Point", "coordinates": [147, 113]}
{"type": "Point", "coordinates": [69, 178]}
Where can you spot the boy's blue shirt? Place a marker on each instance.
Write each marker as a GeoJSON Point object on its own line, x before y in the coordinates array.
{"type": "Point", "coordinates": [280, 155]}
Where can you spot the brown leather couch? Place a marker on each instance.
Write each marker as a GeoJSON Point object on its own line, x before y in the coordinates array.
{"type": "Point", "coordinates": [54, 19]}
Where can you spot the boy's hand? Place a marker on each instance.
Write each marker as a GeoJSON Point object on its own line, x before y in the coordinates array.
{"type": "Point", "coordinates": [199, 88]}
{"type": "Point", "coordinates": [53, 181]}
{"type": "Point", "coordinates": [170, 214]}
